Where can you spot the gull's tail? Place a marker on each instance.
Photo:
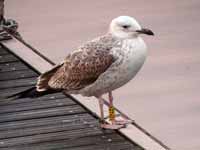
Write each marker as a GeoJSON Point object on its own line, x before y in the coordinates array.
{"type": "Point", "coordinates": [31, 93]}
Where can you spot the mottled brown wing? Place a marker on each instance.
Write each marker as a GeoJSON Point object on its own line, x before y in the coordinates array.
{"type": "Point", "coordinates": [82, 67]}
{"type": "Point", "coordinates": [43, 79]}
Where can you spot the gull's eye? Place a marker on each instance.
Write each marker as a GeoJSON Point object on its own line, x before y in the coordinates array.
{"type": "Point", "coordinates": [126, 26]}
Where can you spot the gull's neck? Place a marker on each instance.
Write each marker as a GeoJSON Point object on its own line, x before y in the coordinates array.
{"type": "Point", "coordinates": [133, 44]}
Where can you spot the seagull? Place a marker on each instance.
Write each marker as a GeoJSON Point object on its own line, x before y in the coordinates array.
{"type": "Point", "coordinates": [98, 67]}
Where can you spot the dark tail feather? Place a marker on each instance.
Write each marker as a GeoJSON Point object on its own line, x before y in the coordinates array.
{"type": "Point", "coordinates": [31, 93]}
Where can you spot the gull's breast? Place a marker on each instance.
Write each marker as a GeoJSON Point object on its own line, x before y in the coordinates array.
{"type": "Point", "coordinates": [134, 56]}
{"type": "Point", "coordinates": [131, 57]}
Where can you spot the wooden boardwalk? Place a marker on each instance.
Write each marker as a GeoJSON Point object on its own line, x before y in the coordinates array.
{"type": "Point", "coordinates": [48, 123]}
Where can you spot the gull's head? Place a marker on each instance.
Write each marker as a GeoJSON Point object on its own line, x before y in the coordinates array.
{"type": "Point", "coordinates": [127, 27]}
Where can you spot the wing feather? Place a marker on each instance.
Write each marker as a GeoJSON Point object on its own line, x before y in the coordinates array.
{"type": "Point", "coordinates": [82, 67]}
{"type": "Point", "coordinates": [42, 82]}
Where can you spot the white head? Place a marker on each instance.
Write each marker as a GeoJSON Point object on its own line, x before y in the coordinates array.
{"type": "Point", "coordinates": [127, 27]}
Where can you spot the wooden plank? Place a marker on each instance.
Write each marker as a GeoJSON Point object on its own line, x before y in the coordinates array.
{"type": "Point", "coordinates": [3, 51]}
{"type": "Point", "coordinates": [105, 141]}
{"type": "Point", "coordinates": [12, 66]}
{"type": "Point", "coordinates": [39, 104]}
{"type": "Point", "coordinates": [17, 83]}
{"type": "Point", "coordinates": [99, 139]}
{"type": "Point", "coordinates": [4, 101]}
{"type": "Point", "coordinates": [8, 58]}
{"type": "Point", "coordinates": [19, 48]}
{"type": "Point", "coordinates": [69, 134]}
{"type": "Point", "coordinates": [41, 113]}
{"type": "Point", "coordinates": [17, 75]}
{"type": "Point", "coordinates": [6, 92]}
{"type": "Point", "coordinates": [122, 145]}
{"type": "Point", "coordinates": [13, 125]}
{"type": "Point", "coordinates": [73, 124]}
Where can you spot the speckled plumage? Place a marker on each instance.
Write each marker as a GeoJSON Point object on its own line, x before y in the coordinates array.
{"type": "Point", "coordinates": [81, 67]}
{"type": "Point", "coordinates": [129, 57]}
{"type": "Point", "coordinates": [95, 68]}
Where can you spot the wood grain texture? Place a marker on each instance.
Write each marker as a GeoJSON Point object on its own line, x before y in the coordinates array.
{"type": "Point", "coordinates": [17, 75]}
{"type": "Point", "coordinates": [12, 66]}
{"type": "Point", "coordinates": [7, 58]}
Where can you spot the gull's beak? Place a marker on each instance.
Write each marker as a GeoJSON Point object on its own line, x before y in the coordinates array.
{"type": "Point", "coordinates": [145, 31]}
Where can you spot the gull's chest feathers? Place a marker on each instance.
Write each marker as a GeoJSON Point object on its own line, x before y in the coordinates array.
{"type": "Point", "coordinates": [130, 56]}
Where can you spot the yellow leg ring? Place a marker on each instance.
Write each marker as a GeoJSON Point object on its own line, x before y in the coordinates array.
{"type": "Point", "coordinates": [111, 113]}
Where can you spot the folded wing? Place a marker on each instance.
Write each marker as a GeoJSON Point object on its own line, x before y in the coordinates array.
{"type": "Point", "coordinates": [80, 68]}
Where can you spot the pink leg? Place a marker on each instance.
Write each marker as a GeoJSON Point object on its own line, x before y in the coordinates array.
{"type": "Point", "coordinates": [112, 116]}
{"type": "Point", "coordinates": [103, 123]}
{"type": "Point", "coordinates": [101, 107]}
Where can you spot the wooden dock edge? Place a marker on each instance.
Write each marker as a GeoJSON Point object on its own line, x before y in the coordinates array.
{"type": "Point", "coordinates": [39, 64]}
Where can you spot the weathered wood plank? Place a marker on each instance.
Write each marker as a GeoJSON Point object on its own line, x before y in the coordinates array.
{"type": "Point", "coordinates": [17, 83]}
{"type": "Point", "coordinates": [12, 66]}
{"type": "Point", "coordinates": [17, 75]}
{"type": "Point", "coordinates": [103, 141]}
{"type": "Point", "coordinates": [4, 101]}
{"type": "Point", "coordinates": [69, 134]}
{"type": "Point", "coordinates": [3, 51]}
{"type": "Point", "coordinates": [122, 145]}
{"type": "Point", "coordinates": [8, 58]}
{"type": "Point", "coordinates": [73, 124]}
{"type": "Point", "coordinates": [10, 91]}
{"type": "Point", "coordinates": [39, 104]}
{"type": "Point", "coordinates": [13, 125]}
{"type": "Point", "coordinates": [41, 113]}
